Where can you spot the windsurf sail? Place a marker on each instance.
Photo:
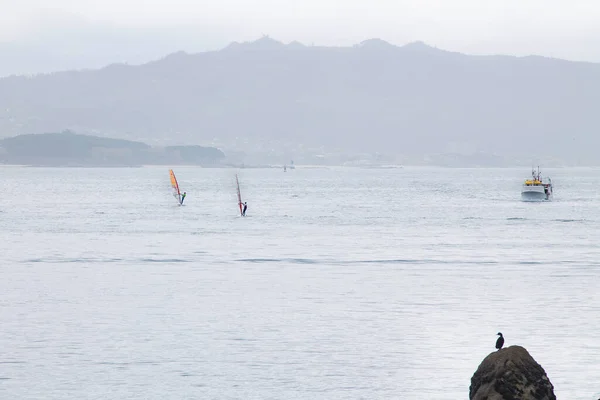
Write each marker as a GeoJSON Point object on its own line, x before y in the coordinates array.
{"type": "Point", "coordinates": [237, 182]}
{"type": "Point", "coordinates": [175, 185]}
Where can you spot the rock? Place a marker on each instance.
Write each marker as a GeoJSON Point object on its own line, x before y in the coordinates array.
{"type": "Point", "coordinates": [510, 374]}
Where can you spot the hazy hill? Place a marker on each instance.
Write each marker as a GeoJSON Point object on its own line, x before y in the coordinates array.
{"type": "Point", "coordinates": [412, 101]}
{"type": "Point", "coordinates": [68, 148]}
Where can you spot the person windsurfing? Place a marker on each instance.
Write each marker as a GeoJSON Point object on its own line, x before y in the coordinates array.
{"type": "Point", "coordinates": [183, 197]}
{"type": "Point", "coordinates": [244, 210]}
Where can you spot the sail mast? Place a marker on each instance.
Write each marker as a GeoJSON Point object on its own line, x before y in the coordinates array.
{"type": "Point", "coordinates": [237, 182]}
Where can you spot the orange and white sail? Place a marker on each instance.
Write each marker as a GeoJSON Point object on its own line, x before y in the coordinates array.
{"type": "Point", "coordinates": [175, 186]}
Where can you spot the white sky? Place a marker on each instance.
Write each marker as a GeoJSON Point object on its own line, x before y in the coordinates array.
{"type": "Point", "coordinates": [557, 28]}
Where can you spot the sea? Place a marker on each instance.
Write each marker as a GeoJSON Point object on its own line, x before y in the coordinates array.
{"type": "Point", "coordinates": [340, 283]}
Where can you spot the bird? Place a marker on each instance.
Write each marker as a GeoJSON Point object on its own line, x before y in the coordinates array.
{"type": "Point", "coordinates": [500, 341]}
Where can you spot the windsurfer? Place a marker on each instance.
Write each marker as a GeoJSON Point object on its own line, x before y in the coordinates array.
{"type": "Point", "coordinates": [183, 197]}
{"type": "Point", "coordinates": [244, 210]}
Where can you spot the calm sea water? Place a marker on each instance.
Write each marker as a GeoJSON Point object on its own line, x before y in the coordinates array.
{"type": "Point", "coordinates": [341, 283]}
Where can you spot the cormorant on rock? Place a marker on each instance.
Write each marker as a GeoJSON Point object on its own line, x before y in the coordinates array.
{"type": "Point", "coordinates": [500, 341]}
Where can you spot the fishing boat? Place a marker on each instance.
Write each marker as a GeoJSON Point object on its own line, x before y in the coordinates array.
{"type": "Point", "coordinates": [534, 188]}
{"type": "Point", "coordinates": [175, 186]}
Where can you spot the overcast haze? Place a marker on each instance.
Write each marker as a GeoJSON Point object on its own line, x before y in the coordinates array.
{"type": "Point", "coordinates": [35, 37]}
{"type": "Point", "coordinates": [349, 97]}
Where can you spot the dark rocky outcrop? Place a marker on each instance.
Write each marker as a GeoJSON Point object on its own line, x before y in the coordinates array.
{"type": "Point", "coordinates": [510, 374]}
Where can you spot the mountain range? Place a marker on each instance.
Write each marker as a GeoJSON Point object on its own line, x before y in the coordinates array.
{"type": "Point", "coordinates": [414, 104]}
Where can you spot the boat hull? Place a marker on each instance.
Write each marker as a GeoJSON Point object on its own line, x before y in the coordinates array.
{"type": "Point", "coordinates": [535, 194]}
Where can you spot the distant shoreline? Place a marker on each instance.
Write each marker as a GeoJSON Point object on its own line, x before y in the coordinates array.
{"type": "Point", "coordinates": [526, 169]}
{"type": "Point", "coordinates": [68, 149]}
